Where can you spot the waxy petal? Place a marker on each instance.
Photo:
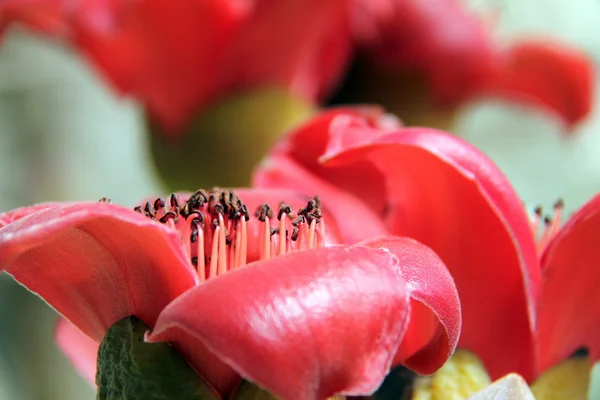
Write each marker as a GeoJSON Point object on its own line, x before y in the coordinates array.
{"type": "Point", "coordinates": [570, 304]}
{"type": "Point", "coordinates": [80, 349]}
{"type": "Point", "coordinates": [481, 232]}
{"type": "Point", "coordinates": [556, 77]}
{"type": "Point", "coordinates": [435, 319]}
{"type": "Point", "coordinates": [306, 325]}
{"type": "Point", "coordinates": [96, 263]}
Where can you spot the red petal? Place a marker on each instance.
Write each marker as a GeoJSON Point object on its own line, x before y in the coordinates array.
{"type": "Point", "coordinates": [42, 15]}
{"type": "Point", "coordinates": [79, 349]}
{"type": "Point", "coordinates": [435, 318]}
{"type": "Point", "coordinates": [262, 54]}
{"type": "Point", "coordinates": [354, 219]}
{"type": "Point", "coordinates": [96, 263]}
{"type": "Point", "coordinates": [449, 45]}
{"type": "Point", "coordinates": [555, 77]}
{"type": "Point", "coordinates": [446, 194]}
{"type": "Point", "coordinates": [569, 311]}
{"type": "Point", "coordinates": [306, 325]}
{"type": "Point", "coordinates": [164, 54]}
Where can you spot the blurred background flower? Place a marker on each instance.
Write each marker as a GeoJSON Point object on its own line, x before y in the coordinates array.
{"type": "Point", "coordinates": [217, 81]}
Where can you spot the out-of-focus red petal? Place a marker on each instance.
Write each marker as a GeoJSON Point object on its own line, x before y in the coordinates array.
{"type": "Point", "coordinates": [79, 349]}
{"type": "Point", "coordinates": [305, 325]}
{"type": "Point", "coordinates": [303, 46]}
{"type": "Point", "coordinates": [449, 196]}
{"type": "Point", "coordinates": [435, 318]}
{"type": "Point", "coordinates": [547, 74]}
{"type": "Point", "coordinates": [96, 263]}
{"type": "Point", "coordinates": [170, 56]}
{"type": "Point", "coordinates": [569, 308]}
{"type": "Point", "coordinates": [354, 219]}
{"type": "Point", "coordinates": [441, 39]}
{"type": "Point", "coordinates": [42, 15]}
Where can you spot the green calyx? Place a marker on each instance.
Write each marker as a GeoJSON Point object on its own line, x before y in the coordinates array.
{"type": "Point", "coordinates": [129, 368]}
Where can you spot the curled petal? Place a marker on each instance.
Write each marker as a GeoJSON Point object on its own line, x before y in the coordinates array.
{"type": "Point", "coordinates": [449, 196]}
{"type": "Point", "coordinates": [306, 325]}
{"type": "Point", "coordinates": [96, 263]}
{"type": "Point", "coordinates": [570, 302]}
{"type": "Point", "coordinates": [552, 76]}
{"type": "Point", "coordinates": [435, 318]}
{"type": "Point", "coordinates": [79, 349]}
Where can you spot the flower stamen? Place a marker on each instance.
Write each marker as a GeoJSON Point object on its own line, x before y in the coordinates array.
{"type": "Point", "coordinates": [222, 245]}
{"type": "Point", "coordinates": [551, 225]}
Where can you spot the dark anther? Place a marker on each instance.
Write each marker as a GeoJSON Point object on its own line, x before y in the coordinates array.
{"type": "Point", "coordinates": [195, 261]}
{"type": "Point", "coordinates": [149, 210]}
{"type": "Point", "coordinates": [168, 215]}
{"type": "Point", "coordinates": [159, 204]}
{"type": "Point", "coordinates": [283, 209]}
{"type": "Point", "coordinates": [560, 203]}
{"type": "Point", "coordinates": [174, 201]}
{"type": "Point", "coordinates": [264, 211]}
{"type": "Point", "coordinates": [547, 220]}
{"type": "Point", "coordinates": [138, 209]}
{"type": "Point", "coordinates": [218, 209]}
{"type": "Point", "coordinates": [295, 233]}
{"type": "Point", "coordinates": [298, 220]}
{"type": "Point", "coordinates": [538, 211]}
{"type": "Point", "coordinates": [274, 231]}
{"type": "Point", "coordinates": [105, 200]}
{"type": "Point", "coordinates": [244, 212]}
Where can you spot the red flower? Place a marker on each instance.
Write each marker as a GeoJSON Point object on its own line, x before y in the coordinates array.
{"type": "Point", "coordinates": [320, 318]}
{"type": "Point", "coordinates": [179, 57]}
{"type": "Point", "coordinates": [524, 309]}
{"type": "Point", "coordinates": [456, 53]}
{"type": "Point", "coordinates": [431, 186]}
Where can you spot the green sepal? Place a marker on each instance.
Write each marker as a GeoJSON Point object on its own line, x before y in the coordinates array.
{"type": "Point", "coordinates": [131, 369]}
{"type": "Point", "coordinates": [222, 145]}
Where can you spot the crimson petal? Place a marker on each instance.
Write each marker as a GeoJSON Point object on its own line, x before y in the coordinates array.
{"type": "Point", "coordinates": [570, 305]}
{"type": "Point", "coordinates": [306, 325]}
{"type": "Point", "coordinates": [449, 196]}
{"type": "Point", "coordinates": [95, 263]}
{"type": "Point", "coordinates": [553, 76]}
{"type": "Point", "coordinates": [80, 349]}
{"type": "Point", "coordinates": [435, 318]}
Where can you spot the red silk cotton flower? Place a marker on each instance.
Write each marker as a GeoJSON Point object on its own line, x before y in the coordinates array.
{"type": "Point", "coordinates": [268, 297]}
{"type": "Point", "coordinates": [180, 57]}
{"type": "Point", "coordinates": [455, 51]}
{"type": "Point", "coordinates": [524, 309]}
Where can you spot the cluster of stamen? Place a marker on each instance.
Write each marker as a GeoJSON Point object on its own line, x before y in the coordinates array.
{"type": "Point", "coordinates": [548, 225]}
{"type": "Point", "coordinates": [215, 233]}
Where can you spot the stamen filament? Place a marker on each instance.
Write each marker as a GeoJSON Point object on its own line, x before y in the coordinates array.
{"type": "Point", "coordinates": [200, 256]}
{"type": "Point", "coordinates": [214, 253]}
{"type": "Point", "coordinates": [222, 259]}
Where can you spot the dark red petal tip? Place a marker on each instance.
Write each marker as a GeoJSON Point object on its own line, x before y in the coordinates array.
{"type": "Point", "coordinates": [306, 325]}
{"type": "Point", "coordinates": [95, 263]}
{"type": "Point", "coordinates": [435, 320]}
{"type": "Point", "coordinates": [570, 303]}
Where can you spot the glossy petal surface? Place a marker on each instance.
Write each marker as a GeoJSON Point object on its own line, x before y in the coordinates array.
{"type": "Point", "coordinates": [96, 263]}
{"type": "Point", "coordinates": [435, 318]}
{"type": "Point", "coordinates": [305, 325]}
{"type": "Point", "coordinates": [447, 195]}
{"type": "Point", "coordinates": [79, 349]}
{"type": "Point", "coordinates": [570, 302]}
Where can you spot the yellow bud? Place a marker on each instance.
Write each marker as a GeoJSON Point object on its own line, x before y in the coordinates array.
{"type": "Point", "coordinates": [568, 380]}
{"type": "Point", "coordinates": [462, 376]}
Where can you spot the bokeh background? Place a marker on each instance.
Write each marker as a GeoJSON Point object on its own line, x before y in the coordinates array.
{"type": "Point", "coordinates": [65, 135]}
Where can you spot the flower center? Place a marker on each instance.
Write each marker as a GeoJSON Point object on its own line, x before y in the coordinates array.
{"type": "Point", "coordinates": [548, 225]}
{"type": "Point", "coordinates": [219, 234]}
